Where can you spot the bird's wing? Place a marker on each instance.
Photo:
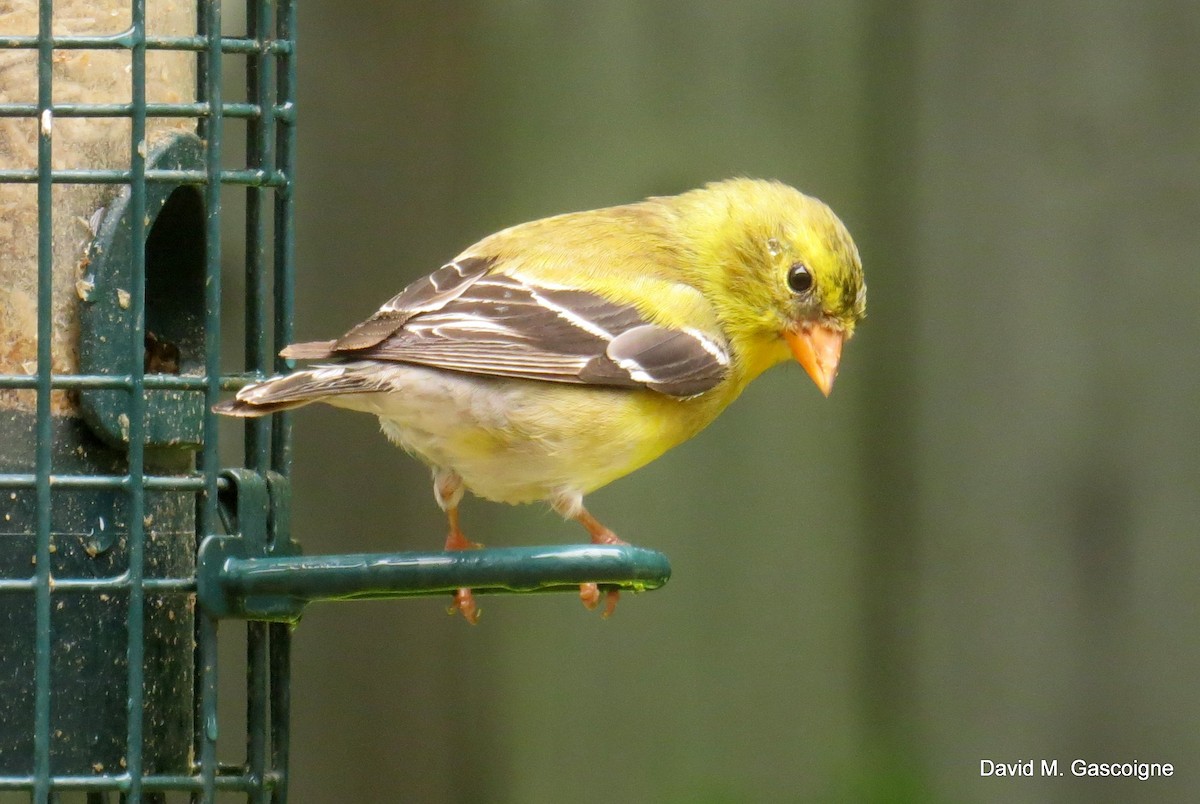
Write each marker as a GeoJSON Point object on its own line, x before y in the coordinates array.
{"type": "Point", "coordinates": [463, 318]}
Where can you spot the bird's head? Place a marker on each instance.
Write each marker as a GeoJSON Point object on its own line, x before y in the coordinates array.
{"type": "Point", "coordinates": [791, 274]}
{"type": "Point", "coordinates": [817, 289]}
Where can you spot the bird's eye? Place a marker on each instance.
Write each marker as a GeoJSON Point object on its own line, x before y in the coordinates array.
{"type": "Point", "coordinates": [799, 278]}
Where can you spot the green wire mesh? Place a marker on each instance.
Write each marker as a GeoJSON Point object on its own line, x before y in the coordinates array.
{"type": "Point", "coordinates": [138, 484]}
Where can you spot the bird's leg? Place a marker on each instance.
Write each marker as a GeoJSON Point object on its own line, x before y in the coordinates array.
{"type": "Point", "coordinates": [571, 507]}
{"type": "Point", "coordinates": [448, 490]}
{"type": "Point", "coordinates": [599, 533]}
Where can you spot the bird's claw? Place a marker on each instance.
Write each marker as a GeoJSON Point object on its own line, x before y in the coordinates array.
{"type": "Point", "coordinates": [610, 602]}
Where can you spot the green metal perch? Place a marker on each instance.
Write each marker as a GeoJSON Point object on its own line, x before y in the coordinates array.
{"type": "Point", "coordinates": [258, 573]}
{"type": "Point", "coordinates": [231, 585]}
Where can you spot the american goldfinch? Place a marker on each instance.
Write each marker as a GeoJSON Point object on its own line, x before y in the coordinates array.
{"type": "Point", "coordinates": [555, 356]}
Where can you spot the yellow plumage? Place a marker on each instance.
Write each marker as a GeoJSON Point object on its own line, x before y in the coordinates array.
{"type": "Point", "coordinates": [555, 356]}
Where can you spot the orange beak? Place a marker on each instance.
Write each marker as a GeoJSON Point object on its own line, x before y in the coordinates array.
{"type": "Point", "coordinates": [818, 348]}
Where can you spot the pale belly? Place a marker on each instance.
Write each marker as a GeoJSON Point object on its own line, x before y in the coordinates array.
{"type": "Point", "coordinates": [519, 441]}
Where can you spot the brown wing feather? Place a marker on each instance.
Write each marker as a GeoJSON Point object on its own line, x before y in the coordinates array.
{"type": "Point", "coordinates": [462, 318]}
{"type": "Point", "coordinates": [428, 294]}
{"type": "Point", "coordinates": [309, 350]}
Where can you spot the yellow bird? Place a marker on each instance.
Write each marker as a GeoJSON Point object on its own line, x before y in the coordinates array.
{"type": "Point", "coordinates": [555, 356]}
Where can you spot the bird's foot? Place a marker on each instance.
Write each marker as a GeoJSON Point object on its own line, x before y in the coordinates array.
{"type": "Point", "coordinates": [589, 593]}
{"type": "Point", "coordinates": [606, 536]}
{"type": "Point", "coordinates": [597, 532]}
{"type": "Point", "coordinates": [455, 540]}
{"type": "Point", "coordinates": [464, 602]}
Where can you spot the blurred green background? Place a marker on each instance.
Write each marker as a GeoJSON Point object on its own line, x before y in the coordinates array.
{"type": "Point", "coordinates": [982, 546]}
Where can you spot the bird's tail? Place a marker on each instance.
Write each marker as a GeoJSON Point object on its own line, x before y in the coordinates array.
{"type": "Point", "coordinates": [296, 390]}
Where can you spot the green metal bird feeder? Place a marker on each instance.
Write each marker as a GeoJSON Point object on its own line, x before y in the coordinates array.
{"type": "Point", "coordinates": [123, 541]}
